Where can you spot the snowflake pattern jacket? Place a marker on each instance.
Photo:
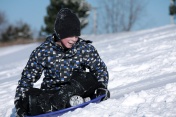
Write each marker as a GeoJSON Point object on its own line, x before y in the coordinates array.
{"type": "Point", "coordinates": [58, 65]}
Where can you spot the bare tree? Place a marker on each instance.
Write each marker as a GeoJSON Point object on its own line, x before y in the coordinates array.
{"type": "Point", "coordinates": [122, 15]}
{"type": "Point", "coordinates": [3, 22]}
{"type": "Point", "coordinates": [2, 17]}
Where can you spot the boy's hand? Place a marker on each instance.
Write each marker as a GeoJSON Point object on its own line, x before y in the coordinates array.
{"type": "Point", "coordinates": [21, 108]}
{"type": "Point", "coordinates": [102, 91]}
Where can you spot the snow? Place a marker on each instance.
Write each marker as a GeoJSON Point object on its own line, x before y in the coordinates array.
{"type": "Point", "coordinates": [142, 74]}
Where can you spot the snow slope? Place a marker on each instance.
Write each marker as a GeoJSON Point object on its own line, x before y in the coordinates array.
{"type": "Point", "coordinates": [142, 71]}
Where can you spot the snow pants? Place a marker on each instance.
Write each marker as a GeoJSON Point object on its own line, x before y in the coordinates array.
{"type": "Point", "coordinates": [38, 101]}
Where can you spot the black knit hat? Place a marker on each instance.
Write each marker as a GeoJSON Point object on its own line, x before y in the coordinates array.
{"type": "Point", "coordinates": [66, 24]}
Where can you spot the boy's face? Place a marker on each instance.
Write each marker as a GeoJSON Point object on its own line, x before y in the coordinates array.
{"type": "Point", "coordinates": [69, 41]}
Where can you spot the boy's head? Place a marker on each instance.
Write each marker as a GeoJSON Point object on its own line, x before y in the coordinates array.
{"type": "Point", "coordinates": [66, 24]}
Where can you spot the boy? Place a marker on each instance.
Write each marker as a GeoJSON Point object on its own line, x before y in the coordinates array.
{"type": "Point", "coordinates": [63, 58]}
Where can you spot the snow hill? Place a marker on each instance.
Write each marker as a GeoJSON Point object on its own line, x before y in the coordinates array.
{"type": "Point", "coordinates": [142, 72]}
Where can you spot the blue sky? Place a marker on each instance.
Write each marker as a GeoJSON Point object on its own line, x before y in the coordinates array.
{"type": "Point", "coordinates": [33, 11]}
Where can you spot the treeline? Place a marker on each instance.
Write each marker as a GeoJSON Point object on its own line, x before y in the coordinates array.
{"type": "Point", "coordinates": [14, 32]}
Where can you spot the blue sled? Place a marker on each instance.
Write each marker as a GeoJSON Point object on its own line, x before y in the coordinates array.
{"type": "Point", "coordinates": [61, 112]}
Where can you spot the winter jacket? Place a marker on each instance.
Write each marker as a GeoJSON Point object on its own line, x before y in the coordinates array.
{"type": "Point", "coordinates": [58, 65]}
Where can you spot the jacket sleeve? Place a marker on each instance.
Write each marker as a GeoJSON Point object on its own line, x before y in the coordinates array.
{"type": "Point", "coordinates": [31, 74]}
{"type": "Point", "coordinates": [97, 66]}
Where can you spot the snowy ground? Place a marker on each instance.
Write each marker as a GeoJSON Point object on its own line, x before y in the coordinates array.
{"type": "Point", "coordinates": [142, 70]}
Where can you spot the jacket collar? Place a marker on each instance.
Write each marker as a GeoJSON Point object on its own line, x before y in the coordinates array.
{"type": "Point", "coordinates": [67, 53]}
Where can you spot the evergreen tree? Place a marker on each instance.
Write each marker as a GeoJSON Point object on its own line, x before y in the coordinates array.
{"type": "Point", "coordinates": [172, 7]}
{"type": "Point", "coordinates": [79, 7]}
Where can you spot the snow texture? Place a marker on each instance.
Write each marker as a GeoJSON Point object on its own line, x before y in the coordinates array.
{"type": "Point", "coordinates": [142, 74]}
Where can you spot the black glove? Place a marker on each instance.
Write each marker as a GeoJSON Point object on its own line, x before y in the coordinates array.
{"type": "Point", "coordinates": [21, 106]}
{"type": "Point", "coordinates": [102, 91]}
{"type": "Point", "coordinates": [33, 102]}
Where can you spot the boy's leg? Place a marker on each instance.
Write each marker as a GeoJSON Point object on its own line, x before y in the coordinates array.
{"type": "Point", "coordinates": [80, 84]}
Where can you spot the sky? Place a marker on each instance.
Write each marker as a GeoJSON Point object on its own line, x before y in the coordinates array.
{"type": "Point", "coordinates": [33, 11]}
